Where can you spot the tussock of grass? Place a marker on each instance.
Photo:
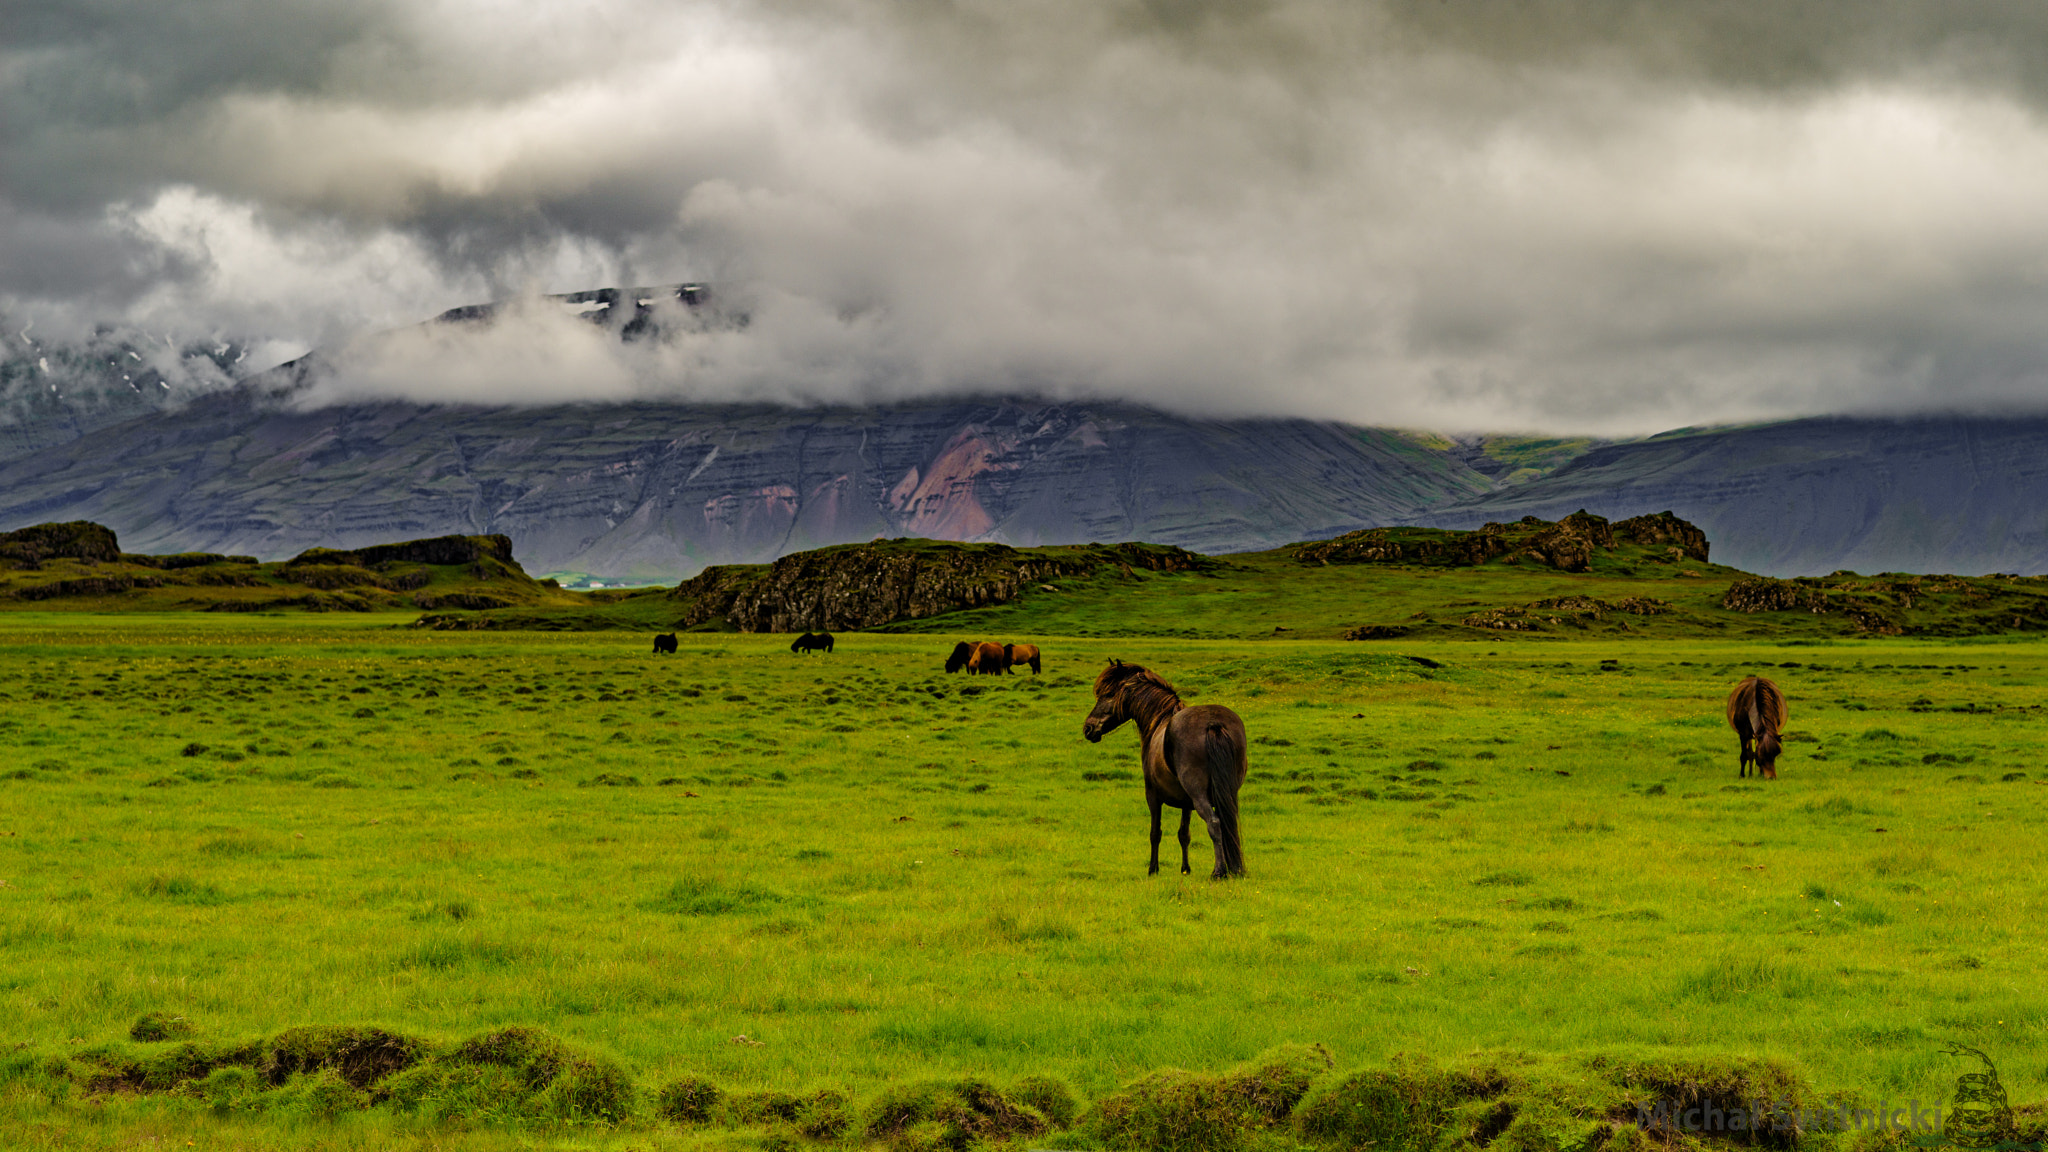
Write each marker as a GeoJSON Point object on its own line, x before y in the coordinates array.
{"type": "Point", "coordinates": [690, 1100]}
{"type": "Point", "coordinates": [515, 1074]}
{"type": "Point", "coordinates": [1176, 1111]}
{"type": "Point", "coordinates": [154, 1027]}
{"type": "Point", "coordinates": [948, 1114]}
{"type": "Point", "coordinates": [703, 896]}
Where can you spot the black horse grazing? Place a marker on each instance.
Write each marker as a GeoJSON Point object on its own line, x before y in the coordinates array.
{"type": "Point", "coordinates": [1015, 654]}
{"type": "Point", "coordinates": [1194, 758]}
{"type": "Point", "coordinates": [962, 653]}
{"type": "Point", "coordinates": [665, 643]}
{"type": "Point", "coordinates": [808, 642]}
{"type": "Point", "coordinates": [1757, 711]}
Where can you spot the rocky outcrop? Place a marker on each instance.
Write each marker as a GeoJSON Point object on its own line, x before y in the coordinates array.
{"type": "Point", "coordinates": [83, 562]}
{"type": "Point", "coordinates": [868, 585]}
{"type": "Point", "coordinates": [1763, 594]}
{"type": "Point", "coordinates": [438, 550]}
{"type": "Point", "coordinates": [1569, 610]}
{"type": "Point", "coordinates": [1568, 545]}
{"type": "Point", "coordinates": [1664, 529]}
{"type": "Point", "coordinates": [77, 540]}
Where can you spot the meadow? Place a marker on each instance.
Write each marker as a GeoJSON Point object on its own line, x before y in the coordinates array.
{"type": "Point", "coordinates": [877, 874]}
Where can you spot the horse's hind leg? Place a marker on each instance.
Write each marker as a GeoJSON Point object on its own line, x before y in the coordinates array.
{"type": "Point", "coordinates": [1152, 798]}
{"type": "Point", "coordinates": [1215, 834]}
{"type": "Point", "coordinates": [1185, 815]}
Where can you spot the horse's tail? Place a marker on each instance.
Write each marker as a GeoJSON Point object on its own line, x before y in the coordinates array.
{"type": "Point", "coordinates": [1226, 753]}
{"type": "Point", "coordinates": [1767, 714]}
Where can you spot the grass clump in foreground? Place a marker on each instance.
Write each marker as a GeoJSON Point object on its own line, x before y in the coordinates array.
{"type": "Point", "coordinates": [1289, 1098]}
{"type": "Point", "coordinates": [1177, 1111]}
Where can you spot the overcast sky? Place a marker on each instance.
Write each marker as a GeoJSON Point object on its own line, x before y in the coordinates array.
{"type": "Point", "coordinates": [1466, 214]}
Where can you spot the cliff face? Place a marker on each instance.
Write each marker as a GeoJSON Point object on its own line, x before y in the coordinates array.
{"type": "Point", "coordinates": [654, 492]}
{"type": "Point", "coordinates": [867, 585]}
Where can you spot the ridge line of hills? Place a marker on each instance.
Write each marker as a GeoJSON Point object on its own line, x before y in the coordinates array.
{"type": "Point", "coordinates": [1645, 576]}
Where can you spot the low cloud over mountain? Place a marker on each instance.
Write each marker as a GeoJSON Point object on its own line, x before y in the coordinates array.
{"type": "Point", "coordinates": [1609, 217]}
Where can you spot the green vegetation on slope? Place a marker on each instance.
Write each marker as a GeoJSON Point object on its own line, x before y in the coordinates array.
{"type": "Point", "coordinates": [79, 566]}
{"type": "Point", "coordinates": [882, 876]}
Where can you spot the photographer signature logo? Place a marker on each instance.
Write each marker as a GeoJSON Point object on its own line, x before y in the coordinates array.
{"type": "Point", "coordinates": [1980, 1116]}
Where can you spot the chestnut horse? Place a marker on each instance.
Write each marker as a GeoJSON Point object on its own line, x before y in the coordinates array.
{"type": "Point", "coordinates": [1757, 712]}
{"type": "Point", "coordinates": [988, 660]}
{"type": "Point", "coordinates": [1015, 654]}
{"type": "Point", "coordinates": [1194, 758]}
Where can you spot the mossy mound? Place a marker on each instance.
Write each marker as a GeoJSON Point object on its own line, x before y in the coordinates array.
{"type": "Point", "coordinates": [1177, 1111]}
{"type": "Point", "coordinates": [515, 1074]}
{"type": "Point", "coordinates": [1523, 1104]}
{"type": "Point", "coordinates": [154, 1027]}
{"type": "Point", "coordinates": [949, 1114]}
{"type": "Point", "coordinates": [690, 1100]}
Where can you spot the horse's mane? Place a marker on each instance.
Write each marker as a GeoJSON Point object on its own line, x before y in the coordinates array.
{"type": "Point", "coordinates": [1760, 698]}
{"type": "Point", "coordinates": [1145, 692]}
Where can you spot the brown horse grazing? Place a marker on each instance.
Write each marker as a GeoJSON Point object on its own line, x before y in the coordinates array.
{"type": "Point", "coordinates": [1757, 712]}
{"type": "Point", "coordinates": [665, 643]}
{"type": "Point", "coordinates": [1194, 758]}
{"type": "Point", "coordinates": [962, 653]}
{"type": "Point", "coordinates": [988, 660]}
{"type": "Point", "coordinates": [1015, 654]}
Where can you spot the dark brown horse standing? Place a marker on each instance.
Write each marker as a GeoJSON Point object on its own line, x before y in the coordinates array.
{"type": "Point", "coordinates": [1194, 758]}
{"type": "Point", "coordinates": [1757, 712]}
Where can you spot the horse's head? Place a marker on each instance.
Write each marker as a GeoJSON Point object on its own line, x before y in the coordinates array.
{"type": "Point", "coordinates": [1768, 746]}
{"type": "Point", "coordinates": [1113, 698]}
{"type": "Point", "coordinates": [958, 660]}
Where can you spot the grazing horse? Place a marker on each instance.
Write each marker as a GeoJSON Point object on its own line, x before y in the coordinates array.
{"type": "Point", "coordinates": [821, 642]}
{"type": "Point", "coordinates": [1194, 758]}
{"type": "Point", "coordinates": [665, 643]}
{"type": "Point", "coordinates": [1757, 712]}
{"type": "Point", "coordinates": [1014, 654]}
{"type": "Point", "coordinates": [962, 653]}
{"type": "Point", "coordinates": [988, 660]}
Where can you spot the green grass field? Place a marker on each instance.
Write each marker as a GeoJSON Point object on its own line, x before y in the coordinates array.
{"type": "Point", "coordinates": [881, 874]}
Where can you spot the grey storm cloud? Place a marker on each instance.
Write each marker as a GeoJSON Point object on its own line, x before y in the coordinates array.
{"type": "Point", "coordinates": [1608, 216]}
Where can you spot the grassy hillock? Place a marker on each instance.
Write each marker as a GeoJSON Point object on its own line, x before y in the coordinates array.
{"type": "Point", "coordinates": [79, 566]}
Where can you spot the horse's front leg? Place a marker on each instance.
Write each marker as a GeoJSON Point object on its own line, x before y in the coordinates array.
{"type": "Point", "coordinates": [1185, 815]}
{"type": "Point", "coordinates": [1152, 798]}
